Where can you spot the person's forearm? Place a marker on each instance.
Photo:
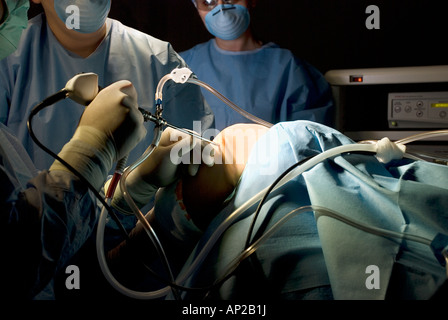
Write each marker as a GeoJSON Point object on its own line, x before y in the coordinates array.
{"type": "Point", "coordinates": [47, 223]}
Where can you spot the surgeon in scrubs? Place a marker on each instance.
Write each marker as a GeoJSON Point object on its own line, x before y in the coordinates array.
{"type": "Point", "coordinates": [48, 215]}
{"type": "Point", "coordinates": [262, 78]}
{"type": "Point", "coordinates": [311, 256]}
{"type": "Point", "coordinates": [71, 37]}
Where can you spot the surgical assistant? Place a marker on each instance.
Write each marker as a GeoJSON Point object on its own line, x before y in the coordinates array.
{"type": "Point", "coordinates": [262, 78]}
{"type": "Point", "coordinates": [45, 60]}
{"type": "Point", "coordinates": [48, 215]}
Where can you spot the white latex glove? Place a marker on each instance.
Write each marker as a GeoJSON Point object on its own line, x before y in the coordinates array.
{"type": "Point", "coordinates": [177, 153]}
{"type": "Point", "coordinates": [109, 128]}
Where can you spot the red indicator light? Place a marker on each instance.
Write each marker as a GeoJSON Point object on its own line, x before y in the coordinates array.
{"type": "Point", "coordinates": [358, 79]}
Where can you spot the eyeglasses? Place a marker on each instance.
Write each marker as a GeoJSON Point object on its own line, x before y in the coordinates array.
{"type": "Point", "coordinates": [209, 5]}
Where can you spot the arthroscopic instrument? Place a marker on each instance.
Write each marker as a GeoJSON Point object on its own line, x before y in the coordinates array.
{"type": "Point", "coordinates": [148, 116]}
{"type": "Point", "coordinates": [384, 150]}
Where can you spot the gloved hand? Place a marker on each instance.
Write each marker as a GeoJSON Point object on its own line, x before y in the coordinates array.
{"type": "Point", "coordinates": [177, 153]}
{"type": "Point", "coordinates": [109, 128]}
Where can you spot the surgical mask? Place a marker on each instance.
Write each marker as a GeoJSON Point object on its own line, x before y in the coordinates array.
{"type": "Point", "coordinates": [16, 12]}
{"type": "Point", "coordinates": [85, 16]}
{"type": "Point", "coordinates": [227, 22]}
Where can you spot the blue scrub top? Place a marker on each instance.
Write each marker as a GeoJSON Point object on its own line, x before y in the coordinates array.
{"type": "Point", "coordinates": [41, 67]}
{"type": "Point", "coordinates": [270, 83]}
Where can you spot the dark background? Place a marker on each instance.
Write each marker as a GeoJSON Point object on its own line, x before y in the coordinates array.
{"type": "Point", "coordinates": [331, 34]}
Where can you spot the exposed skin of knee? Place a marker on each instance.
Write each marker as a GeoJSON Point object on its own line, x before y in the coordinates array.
{"type": "Point", "coordinates": [205, 193]}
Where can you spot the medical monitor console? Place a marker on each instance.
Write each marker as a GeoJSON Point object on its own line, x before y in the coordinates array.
{"type": "Point", "coordinates": [391, 102]}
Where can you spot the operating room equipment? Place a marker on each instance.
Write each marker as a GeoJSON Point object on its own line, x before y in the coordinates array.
{"type": "Point", "coordinates": [394, 102]}
{"type": "Point", "coordinates": [385, 151]}
{"type": "Point", "coordinates": [418, 109]}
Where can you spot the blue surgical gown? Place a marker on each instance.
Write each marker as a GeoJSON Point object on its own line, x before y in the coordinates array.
{"type": "Point", "coordinates": [309, 259]}
{"type": "Point", "coordinates": [46, 218]}
{"type": "Point", "coordinates": [41, 67]}
{"type": "Point", "coordinates": [270, 83]}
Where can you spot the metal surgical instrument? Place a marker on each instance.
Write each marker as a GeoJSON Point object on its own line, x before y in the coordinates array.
{"type": "Point", "coordinates": [148, 116]}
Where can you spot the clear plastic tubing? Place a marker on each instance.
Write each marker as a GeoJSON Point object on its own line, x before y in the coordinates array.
{"type": "Point", "coordinates": [172, 76]}
{"type": "Point", "coordinates": [230, 103]}
{"type": "Point", "coordinates": [106, 271]}
{"type": "Point", "coordinates": [318, 212]}
{"type": "Point", "coordinates": [102, 224]}
{"type": "Point", "coordinates": [422, 136]}
{"type": "Point", "coordinates": [159, 89]}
